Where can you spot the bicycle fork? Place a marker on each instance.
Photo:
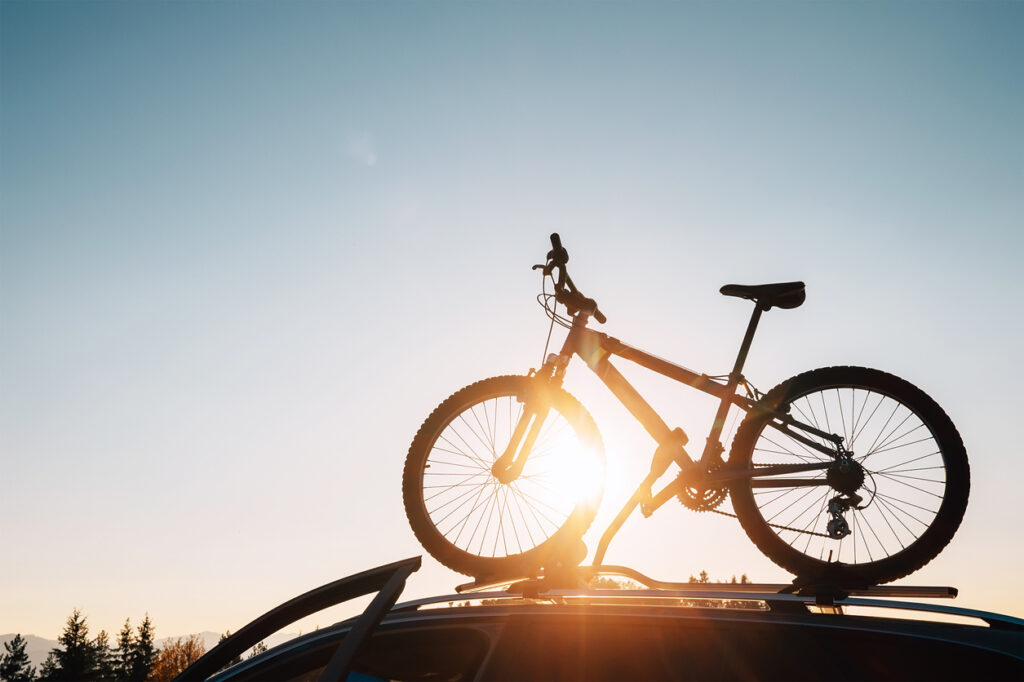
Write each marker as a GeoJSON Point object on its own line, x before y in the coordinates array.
{"type": "Point", "coordinates": [536, 406]}
{"type": "Point", "coordinates": [508, 466]}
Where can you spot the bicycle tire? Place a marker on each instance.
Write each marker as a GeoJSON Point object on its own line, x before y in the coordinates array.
{"type": "Point", "coordinates": [767, 521]}
{"type": "Point", "coordinates": [461, 438]}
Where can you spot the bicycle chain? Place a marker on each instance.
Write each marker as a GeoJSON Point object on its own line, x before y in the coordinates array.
{"type": "Point", "coordinates": [776, 525]}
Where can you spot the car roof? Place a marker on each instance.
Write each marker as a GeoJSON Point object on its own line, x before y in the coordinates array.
{"type": "Point", "coordinates": [874, 609]}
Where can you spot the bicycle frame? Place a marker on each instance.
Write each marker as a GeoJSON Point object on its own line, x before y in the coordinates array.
{"type": "Point", "coordinates": [596, 348]}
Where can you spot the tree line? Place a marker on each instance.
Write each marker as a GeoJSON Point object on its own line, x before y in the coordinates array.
{"type": "Point", "coordinates": [133, 657]}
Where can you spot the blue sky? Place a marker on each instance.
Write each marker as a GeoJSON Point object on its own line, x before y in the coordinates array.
{"type": "Point", "coordinates": [245, 248]}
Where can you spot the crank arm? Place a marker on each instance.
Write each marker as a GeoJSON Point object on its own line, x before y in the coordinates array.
{"type": "Point", "coordinates": [657, 501]}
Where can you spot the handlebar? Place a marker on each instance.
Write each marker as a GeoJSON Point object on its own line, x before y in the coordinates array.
{"type": "Point", "coordinates": [566, 292]}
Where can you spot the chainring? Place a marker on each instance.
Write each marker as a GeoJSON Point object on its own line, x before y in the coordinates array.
{"type": "Point", "coordinates": [701, 499]}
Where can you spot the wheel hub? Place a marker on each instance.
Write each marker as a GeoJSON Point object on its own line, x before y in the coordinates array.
{"type": "Point", "coordinates": [845, 476]}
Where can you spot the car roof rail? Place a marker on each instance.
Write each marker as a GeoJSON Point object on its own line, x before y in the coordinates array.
{"type": "Point", "coordinates": [387, 581]}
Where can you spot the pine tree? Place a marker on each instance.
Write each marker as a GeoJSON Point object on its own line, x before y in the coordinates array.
{"type": "Point", "coordinates": [50, 668]}
{"type": "Point", "coordinates": [143, 653]}
{"type": "Point", "coordinates": [14, 665]}
{"type": "Point", "coordinates": [124, 652]}
{"type": "Point", "coordinates": [106, 661]}
{"type": "Point", "coordinates": [77, 659]}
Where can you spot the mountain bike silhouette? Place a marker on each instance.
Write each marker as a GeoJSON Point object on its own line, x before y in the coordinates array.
{"type": "Point", "coordinates": [842, 474]}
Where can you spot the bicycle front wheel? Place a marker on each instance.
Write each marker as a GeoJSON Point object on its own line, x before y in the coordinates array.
{"type": "Point", "coordinates": [472, 522]}
{"type": "Point", "coordinates": [910, 475]}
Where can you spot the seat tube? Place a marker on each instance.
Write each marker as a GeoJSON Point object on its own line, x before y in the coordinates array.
{"type": "Point", "coordinates": [714, 443]}
{"type": "Point", "coordinates": [748, 338]}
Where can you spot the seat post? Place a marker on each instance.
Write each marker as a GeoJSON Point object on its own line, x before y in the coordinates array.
{"type": "Point", "coordinates": [748, 338]}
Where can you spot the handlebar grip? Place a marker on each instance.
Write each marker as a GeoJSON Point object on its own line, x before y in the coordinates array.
{"type": "Point", "coordinates": [558, 256]}
{"type": "Point", "coordinates": [599, 316]}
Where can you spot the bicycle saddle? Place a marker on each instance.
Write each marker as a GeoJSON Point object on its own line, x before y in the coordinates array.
{"type": "Point", "coordinates": [781, 295]}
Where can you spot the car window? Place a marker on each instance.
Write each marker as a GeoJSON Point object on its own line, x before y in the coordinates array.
{"type": "Point", "coordinates": [596, 648]}
{"type": "Point", "coordinates": [410, 655]}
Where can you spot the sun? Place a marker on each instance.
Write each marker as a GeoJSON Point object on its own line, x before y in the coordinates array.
{"type": "Point", "coordinates": [565, 471]}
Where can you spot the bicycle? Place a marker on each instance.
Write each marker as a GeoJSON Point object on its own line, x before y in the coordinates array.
{"type": "Point", "coordinates": [843, 474]}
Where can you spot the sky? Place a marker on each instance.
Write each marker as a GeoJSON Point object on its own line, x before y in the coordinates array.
{"type": "Point", "coordinates": [246, 248]}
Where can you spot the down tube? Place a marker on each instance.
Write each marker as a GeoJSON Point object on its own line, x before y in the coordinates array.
{"type": "Point", "coordinates": [633, 401]}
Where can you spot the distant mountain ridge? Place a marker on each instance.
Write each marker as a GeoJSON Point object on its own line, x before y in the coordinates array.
{"type": "Point", "coordinates": [37, 648]}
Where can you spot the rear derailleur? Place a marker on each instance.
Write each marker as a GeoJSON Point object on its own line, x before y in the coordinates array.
{"type": "Point", "coordinates": [837, 526]}
{"type": "Point", "coordinates": [845, 477]}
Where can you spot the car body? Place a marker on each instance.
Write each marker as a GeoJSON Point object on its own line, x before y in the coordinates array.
{"type": "Point", "coordinates": [538, 631]}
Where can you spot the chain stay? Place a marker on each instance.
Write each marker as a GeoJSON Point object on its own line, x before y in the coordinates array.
{"type": "Point", "coordinates": [777, 525]}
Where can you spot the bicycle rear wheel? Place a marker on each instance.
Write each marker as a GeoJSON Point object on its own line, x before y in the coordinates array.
{"type": "Point", "coordinates": [911, 474]}
{"type": "Point", "coordinates": [473, 523]}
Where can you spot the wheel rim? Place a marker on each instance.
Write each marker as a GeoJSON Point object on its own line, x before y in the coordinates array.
{"type": "Point", "coordinates": [479, 515]}
{"type": "Point", "coordinates": [904, 485]}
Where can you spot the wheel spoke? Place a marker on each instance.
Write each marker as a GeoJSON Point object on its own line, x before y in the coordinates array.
{"type": "Point", "coordinates": [882, 430]}
{"type": "Point", "coordinates": [533, 509]}
{"type": "Point", "coordinates": [453, 500]}
{"type": "Point", "coordinates": [474, 457]}
{"type": "Point", "coordinates": [909, 485]}
{"type": "Point", "coordinates": [856, 434]}
{"type": "Point", "coordinates": [455, 509]}
{"type": "Point", "coordinates": [468, 516]}
{"type": "Point", "coordinates": [911, 461]}
{"type": "Point", "coordinates": [891, 436]}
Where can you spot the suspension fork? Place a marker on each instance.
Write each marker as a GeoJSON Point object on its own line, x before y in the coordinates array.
{"type": "Point", "coordinates": [536, 406]}
{"type": "Point", "coordinates": [508, 467]}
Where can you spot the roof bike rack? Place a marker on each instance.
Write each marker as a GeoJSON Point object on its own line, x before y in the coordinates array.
{"type": "Point", "coordinates": [780, 598]}
{"type": "Point", "coordinates": [706, 592]}
{"type": "Point", "coordinates": [581, 576]}
{"type": "Point", "coordinates": [387, 581]}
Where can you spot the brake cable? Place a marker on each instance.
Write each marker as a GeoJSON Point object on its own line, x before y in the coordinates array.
{"type": "Point", "coordinates": [551, 327]}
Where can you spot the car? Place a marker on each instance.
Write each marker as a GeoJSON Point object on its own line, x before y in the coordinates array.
{"type": "Point", "coordinates": [552, 628]}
